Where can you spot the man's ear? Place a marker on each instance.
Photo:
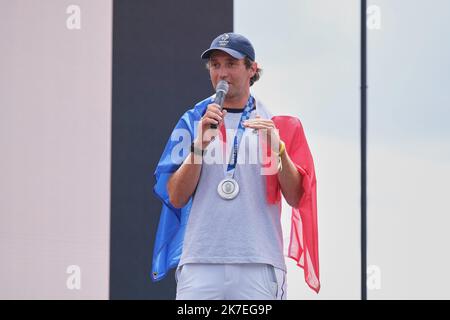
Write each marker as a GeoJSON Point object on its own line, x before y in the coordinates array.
{"type": "Point", "coordinates": [254, 68]}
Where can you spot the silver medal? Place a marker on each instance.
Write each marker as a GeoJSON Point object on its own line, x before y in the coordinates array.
{"type": "Point", "coordinates": [228, 188]}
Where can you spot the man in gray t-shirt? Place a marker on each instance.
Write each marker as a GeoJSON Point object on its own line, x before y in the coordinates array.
{"type": "Point", "coordinates": [233, 244]}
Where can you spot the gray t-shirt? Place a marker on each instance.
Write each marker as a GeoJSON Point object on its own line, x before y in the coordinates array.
{"type": "Point", "coordinates": [244, 230]}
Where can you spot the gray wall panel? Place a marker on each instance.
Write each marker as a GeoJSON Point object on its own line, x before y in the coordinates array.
{"type": "Point", "coordinates": [55, 109]}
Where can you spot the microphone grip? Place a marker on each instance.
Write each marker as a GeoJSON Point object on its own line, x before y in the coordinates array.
{"type": "Point", "coordinates": [220, 97]}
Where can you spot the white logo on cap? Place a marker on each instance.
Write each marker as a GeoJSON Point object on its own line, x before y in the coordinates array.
{"type": "Point", "coordinates": [223, 41]}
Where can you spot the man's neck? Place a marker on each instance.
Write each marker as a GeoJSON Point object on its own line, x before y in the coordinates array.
{"type": "Point", "coordinates": [238, 103]}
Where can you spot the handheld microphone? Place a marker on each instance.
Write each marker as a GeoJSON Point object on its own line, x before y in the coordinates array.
{"type": "Point", "coordinates": [221, 92]}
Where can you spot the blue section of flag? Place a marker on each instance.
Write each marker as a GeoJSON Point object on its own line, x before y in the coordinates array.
{"type": "Point", "coordinates": [172, 224]}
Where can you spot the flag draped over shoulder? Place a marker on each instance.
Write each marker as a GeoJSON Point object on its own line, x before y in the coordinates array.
{"type": "Point", "coordinates": [172, 223]}
{"type": "Point", "coordinates": [303, 247]}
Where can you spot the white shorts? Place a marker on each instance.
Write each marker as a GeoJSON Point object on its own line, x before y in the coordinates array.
{"type": "Point", "coordinates": [240, 281]}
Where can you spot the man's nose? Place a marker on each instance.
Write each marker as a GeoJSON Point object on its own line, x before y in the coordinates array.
{"type": "Point", "coordinates": [223, 72]}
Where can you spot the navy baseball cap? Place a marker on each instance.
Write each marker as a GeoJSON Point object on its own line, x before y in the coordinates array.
{"type": "Point", "coordinates": [234, 44]}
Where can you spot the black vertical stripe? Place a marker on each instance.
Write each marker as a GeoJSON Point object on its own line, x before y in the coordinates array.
{"type": "Point", "coordinates": [157, 75]}
{"type": "Point", "coordinates": [363, 150]}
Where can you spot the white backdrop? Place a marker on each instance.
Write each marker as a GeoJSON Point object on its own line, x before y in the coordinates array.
{"type": "Point", "coordinates": [409, 150]}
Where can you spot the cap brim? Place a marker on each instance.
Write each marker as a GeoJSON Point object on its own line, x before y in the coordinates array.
{"type": "Point", "coordinates": [231, 52]}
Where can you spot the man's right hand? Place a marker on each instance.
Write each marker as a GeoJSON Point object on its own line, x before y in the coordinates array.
{"type": "Point", "coordinates": [212, 115]}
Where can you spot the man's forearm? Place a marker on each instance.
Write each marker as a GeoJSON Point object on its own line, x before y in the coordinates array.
{"type": "Point", "coordinates": [290, 180]}
{"type": "Point", "coordinates": [183, 182]}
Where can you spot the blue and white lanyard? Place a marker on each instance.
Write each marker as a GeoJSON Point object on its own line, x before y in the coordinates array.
{"type": "Point", "coordinates": [238, 137]}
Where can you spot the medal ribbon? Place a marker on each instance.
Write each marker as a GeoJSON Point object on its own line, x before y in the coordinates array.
{"type": "Point", "coordinates": [238, 137]}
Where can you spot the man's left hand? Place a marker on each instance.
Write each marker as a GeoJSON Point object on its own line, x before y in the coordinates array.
{"type": "Point", "coordinates": [267, 130]}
